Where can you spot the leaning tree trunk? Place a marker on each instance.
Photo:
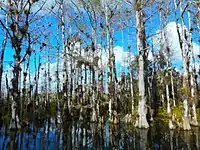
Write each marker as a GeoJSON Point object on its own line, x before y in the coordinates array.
{"type": "Point", "coordinates": [141, 121]}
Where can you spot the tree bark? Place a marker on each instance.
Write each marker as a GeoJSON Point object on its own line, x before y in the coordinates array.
{"type": "Point", "coordinates": [184, 48]}
{"type": "Point", "coordinates": [141, 121]}
{"type": "Point", "coordinates": [2, 56]}
{"type": "Point", "coordinates": [110, 84]}
{"type": "Point", "coordinates": [193, 120]}
{"type": "Point", "coordinates": [93, 49]}
{"type": "Point", "coordinates": [59, 120]}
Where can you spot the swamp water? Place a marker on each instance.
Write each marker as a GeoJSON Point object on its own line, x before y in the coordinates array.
{"type": "Point", "coordinates": [79, 135]}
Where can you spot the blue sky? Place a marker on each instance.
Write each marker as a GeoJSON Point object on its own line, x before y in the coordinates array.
{"type": "Point", "coordinates": [120, 44]}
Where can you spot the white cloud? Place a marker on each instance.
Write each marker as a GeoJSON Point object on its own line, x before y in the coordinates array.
{"type": "Point", "coordinates": [122, 57]}
{"type": "Point", "coordinates": [119, 53]}
{"type": "Point", "coordinates": [150, 56]}
{"type": "Point", "coordinates": [45, 4]}
{"type": "Point", "coordinates": [173, 40]}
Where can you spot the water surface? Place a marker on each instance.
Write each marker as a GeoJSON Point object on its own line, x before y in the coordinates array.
{"type": "Point", "coordinates": [79, 135]}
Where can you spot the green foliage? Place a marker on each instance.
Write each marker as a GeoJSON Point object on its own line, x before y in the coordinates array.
{"type": "Point", "coordinates": [114, 148]}
{"type": "Point", "coordinates": [137, 5]}
{"type": "Point", "coordinates": [6, 118]}
{"type": "Point", "coordinates": [137, 98]}
{"type": "Point", "coordinates": [53, 107]}
{"type": "Point", "coordinates": [198, 113]}
{"type": "Point", "coordinates": [162, 115]}
{"type": "Point", "coordinates": [167, 80]}
{"type": "Point", "coordinates": [27, 116]}
{"type": "Point", "coordinates": [184, 91]}
{"type": "Point", "coordinates": [95, 3]}
{"type": "Point", "coordinates": [74, 100]}
{"type": "Point", "coordinates": [135, 113]}
{"type": "Point", "coordinates": [198, 3]}
{"type": "Point", "coordinates": [177, 111]}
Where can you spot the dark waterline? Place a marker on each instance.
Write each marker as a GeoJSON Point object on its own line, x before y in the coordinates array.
{"type": "Point", "coordinates": [79, 135]}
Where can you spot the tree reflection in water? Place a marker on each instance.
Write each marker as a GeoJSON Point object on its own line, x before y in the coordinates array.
{"type": "Point", "coordinates": [80, 135]}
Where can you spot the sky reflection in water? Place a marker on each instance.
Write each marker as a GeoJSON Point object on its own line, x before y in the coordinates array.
{"type": "Point", "coordinates": [79, 135]}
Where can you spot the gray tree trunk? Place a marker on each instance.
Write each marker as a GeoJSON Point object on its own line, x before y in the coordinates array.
{"type": "Point", "coordinates": [184, 48]}
{"type": "Point", "coordinates": [94, 46]}
{"type": "Point", "coordinates": [2, 57]}
{"type": "Point", "coordinates": [141, 121]}
{"type": "Point", "coordinates": [193, 120]}
{"type": "Point", "coordinates": [108, 33]}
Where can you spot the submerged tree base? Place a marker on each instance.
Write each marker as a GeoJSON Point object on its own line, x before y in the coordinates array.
{"type": "Point", "coordinates": [171, 126]}
{"type": "Point", "coordinates": [14, 125]}
{"type": "Point", "coordinates": [185, 124]}
{"type": "Point", "coordinates": [194, 122]}
{"type": "Point", "coordinates": [141, 122]}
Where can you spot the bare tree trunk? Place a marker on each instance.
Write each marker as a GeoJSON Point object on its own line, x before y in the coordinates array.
{"type": "Point", "coordinates": [72, 86]}
{"type": "Point", "coordinates": [172, 85]}
{"type": "Point", "coordinates": [24, 89]}
{"type": "Point", "coordinates": [49, 83]}
{"type": "Point", "coordinates": [36, 78]}
{"type": "Point", "coordinates": [184, 47]}
{"type": "Point", "coordinates": [17, 37]}
{"type": "Point", "coordinates": [58, 87]}
{"type": "Point", "coordinates": [8, 89]}
{"type": "Point", "coordinates": [193, 120]}
{"type": "Point", "coordinates": [115, 82]}
{"type": "Point", "coordinates": [171, 134]}
{"type": "Point", "coordinates": [2, 57]}
{"type": "Point", "coordinates": [65, 64]}
{"type": "Point", "coordinates": [167, 95]}
{"type": "Point", "coordinates": [98, 95]}
{"type": "Point", "coordinates": [46, 95]}
{"type": "Point", "coordinates": [15, 87]}
{"type": "Point", "coordinates": [167, 60]}
{"type": "Point", "coordinates": [14, 123]}
{"type": "Point", "coordinates": [141, 122]}
{"type": "Point", "coordinates": [132, 94]}
{"type": "Point", "coordinates": [94, 46]}
{"type": "Point", "coordinates": [171, 126]}
{"type": "Point", "coordinates": [85, 83]}
{"type": "Point", "coordinates": [162, 95]}
{"type": "Point", "coordinates": [110, 84]}
{"type": "Point", "coordinates": [30, 91]}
